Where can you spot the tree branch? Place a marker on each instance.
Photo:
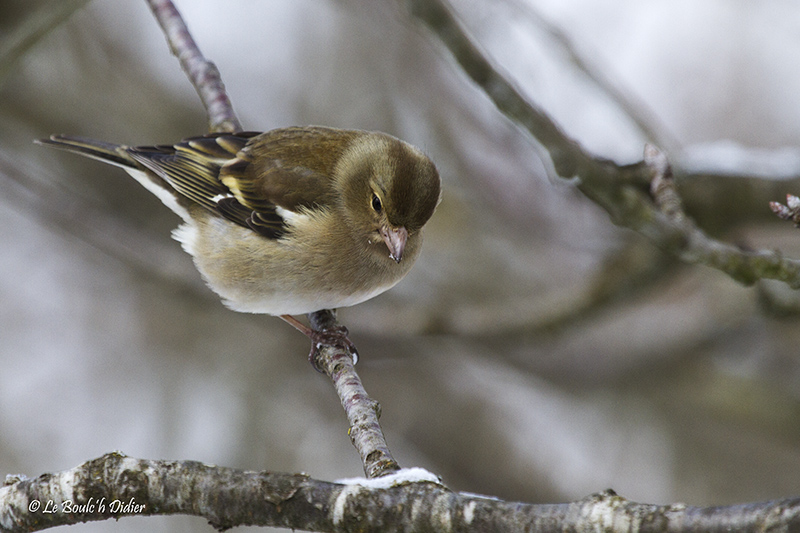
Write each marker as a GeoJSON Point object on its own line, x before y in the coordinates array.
{"type": "Point", "coordinates": [623, 191]}
{"type": "Point", "coordinates": [678, 233]}
{"type": "Point", "coordinates": [361, 410]}
{"type": "Point", "coordinates": [202, 73]}
{"type": "Point", "coordinates": [116, 486]}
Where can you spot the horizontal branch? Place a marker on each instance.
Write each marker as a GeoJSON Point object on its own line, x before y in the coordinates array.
{"type": "Point", "coordinates": [116, 486]}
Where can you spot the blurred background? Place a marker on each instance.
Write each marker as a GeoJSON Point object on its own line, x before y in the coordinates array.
{"type": "Point", "coordinates": [536, 352]}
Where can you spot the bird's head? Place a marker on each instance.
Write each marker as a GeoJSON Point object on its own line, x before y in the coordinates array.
{"type": "Point", "coordinates": [390, 190]}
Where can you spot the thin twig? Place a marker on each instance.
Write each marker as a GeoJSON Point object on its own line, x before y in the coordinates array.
{"type": "Point", "coordinates": [202, 73]}
{"type": "Point", "coordinates": [362, 411]}
{"type": "Point", "coordinates": [790, 211]}
{"type": "Point", "coordinates": [662, 187]}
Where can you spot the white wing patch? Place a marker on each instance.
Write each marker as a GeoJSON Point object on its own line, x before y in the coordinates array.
{"type": "Point", "coordinates": [293, 218]}
{"type": "Point", "coordinates": [221, 197]}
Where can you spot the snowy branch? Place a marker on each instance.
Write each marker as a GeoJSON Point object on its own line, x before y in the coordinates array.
{"type": "Point", "coordinates": [116, 486]}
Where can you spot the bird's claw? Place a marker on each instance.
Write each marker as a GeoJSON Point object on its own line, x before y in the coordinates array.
{"type": "Point", "coordinates": [338, 337]}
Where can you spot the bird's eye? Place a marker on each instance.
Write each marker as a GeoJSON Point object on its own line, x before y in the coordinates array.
{"type": "Point", "coordinates": [376, 203]}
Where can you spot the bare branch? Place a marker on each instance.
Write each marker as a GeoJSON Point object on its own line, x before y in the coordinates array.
{"type": "Point", "coordinates": [361, 410]}
{"type": "Point", "coordinates": [620, 190]}
{"type": "Point", "coordinates": [202, 73]}
{"type": "Point", "coordinates": [677, 233]}
{"type": "Point", "coordinates": [567, 156]}
{"type": "Point", "coordinates": [116, 486]}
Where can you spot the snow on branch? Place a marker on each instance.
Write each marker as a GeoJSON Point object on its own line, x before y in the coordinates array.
{"type": "Point", "coordinates": [117, 486]}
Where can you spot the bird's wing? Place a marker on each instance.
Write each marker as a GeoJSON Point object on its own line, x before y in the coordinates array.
{"type": "Point", "coordinates": [284, 172]}
{"type": "Point", "coordinates": [246, 177]}
{"type": "Point", "coordinates": [191, 167]}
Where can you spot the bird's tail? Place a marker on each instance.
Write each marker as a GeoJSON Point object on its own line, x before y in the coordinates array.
{"type": "Point", "coordinates": [114, 154]}
{"type": "Point", "coordinates": [117, 155]}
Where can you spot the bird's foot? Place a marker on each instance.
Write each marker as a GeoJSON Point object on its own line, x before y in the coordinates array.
{"type": "Point", "coordinates": [338, 337]}
{"type": "Point", "coordinates": [333, 336]}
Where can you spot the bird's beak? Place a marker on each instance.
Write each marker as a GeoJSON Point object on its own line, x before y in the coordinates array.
{"type": "Point", "coordinates": [395, 239]}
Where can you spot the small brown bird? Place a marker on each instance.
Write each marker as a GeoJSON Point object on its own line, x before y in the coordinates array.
{"type": "Point", "coordinates": [290, 221]}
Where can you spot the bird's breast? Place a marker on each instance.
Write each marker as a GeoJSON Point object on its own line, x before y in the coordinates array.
{"type": "Point", "coordinates": [315, 265]}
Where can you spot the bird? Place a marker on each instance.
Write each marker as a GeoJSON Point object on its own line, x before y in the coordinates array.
{"type": "Point", "coordinates": [289, 221]}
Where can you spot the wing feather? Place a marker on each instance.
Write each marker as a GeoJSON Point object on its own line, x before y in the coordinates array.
{"type": "Point", "coordinates": [245, 180]}
{"type": "Point", "coordinates": [257, 180]}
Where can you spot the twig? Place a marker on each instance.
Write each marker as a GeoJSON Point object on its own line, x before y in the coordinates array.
{"type": "Point", "coordinates": [790, 211]}
{"type": "Point", "coordinates": [116, 486]}
{"type": "Point", "coordinates": [202, 73]}
{"type": "Point", "coordinates": [662, 187]}
{"type": "Point", "coordinates": [617, 189]}
{"type": "Point", "coordinates": [361, 410]}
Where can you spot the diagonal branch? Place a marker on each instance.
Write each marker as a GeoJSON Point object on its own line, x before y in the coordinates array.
{"type": "Point", "coordinates": [362, 412]}
{"type": "Point", "coordinates": [203, 74]}
{"type": "Point", "coordinates": [568, 158]}
{"type": "Point", "coordinates": [636, 110]}
{"type": "Point", "coordinates": [623, 191]}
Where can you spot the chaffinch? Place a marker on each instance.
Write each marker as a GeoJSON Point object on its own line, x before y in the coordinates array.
{"type": "Point", "coordinates": [289, 221]}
